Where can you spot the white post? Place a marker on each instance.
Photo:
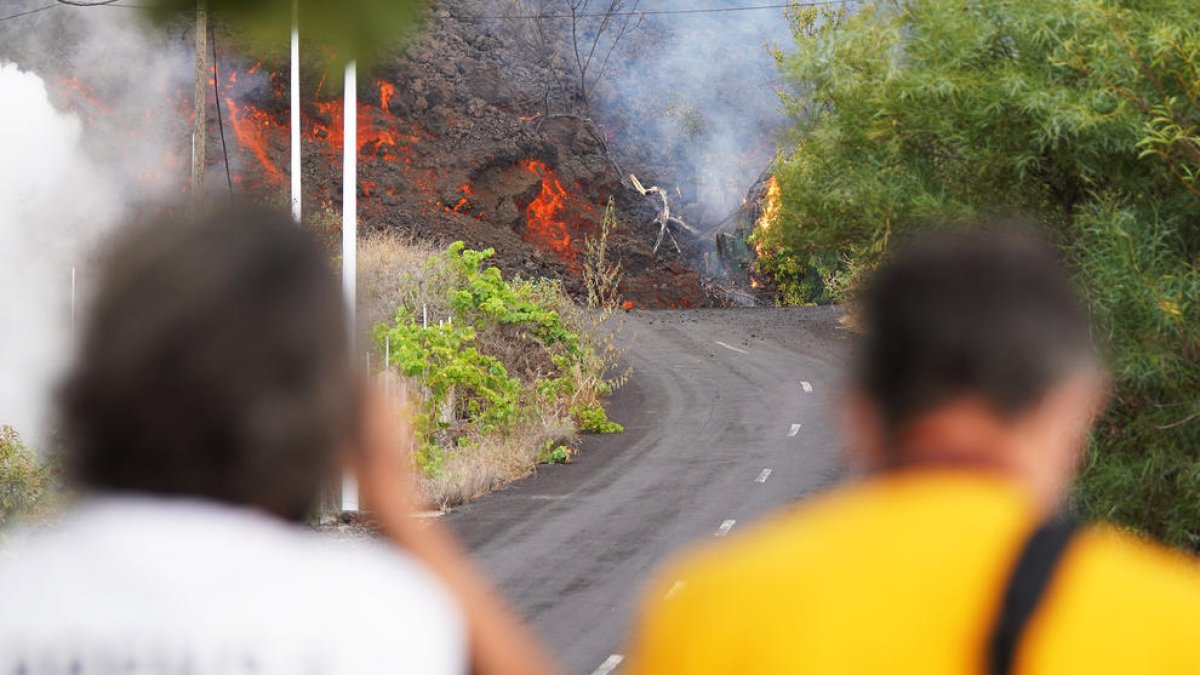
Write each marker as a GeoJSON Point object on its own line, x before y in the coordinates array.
{"type": "Point", "coordinates": [350, 234]}
{"type": "Point", "coordinates": [72, 300]}
{"type": "Point", "coordinates": [295, 120]}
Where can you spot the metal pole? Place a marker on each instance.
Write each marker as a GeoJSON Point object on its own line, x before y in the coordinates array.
{"type": "Point", "coordinates": [350, 234]}
{"type": "Point", "coordinates": [295, 118]}
{"type": "Point", "coordinates": [72, 300]}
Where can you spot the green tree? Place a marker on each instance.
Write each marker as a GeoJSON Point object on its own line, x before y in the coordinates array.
{"type": "Point", "coordinates": [1082, 116]}
{"type": "Point", "coordinates": [24, 482]}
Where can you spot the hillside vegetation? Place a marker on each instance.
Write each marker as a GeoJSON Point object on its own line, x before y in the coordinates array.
{"type": "Point", "coordinates": [1081, 115]}
{"type": "Point", "coordinates": [504, 374]}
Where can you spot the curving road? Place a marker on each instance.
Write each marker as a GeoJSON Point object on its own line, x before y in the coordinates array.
{"type": "Point", "coordinates": [729, 416]}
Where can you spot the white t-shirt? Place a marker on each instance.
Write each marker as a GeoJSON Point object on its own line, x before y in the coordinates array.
{"type": "Point", "coordinates": [168, 586]}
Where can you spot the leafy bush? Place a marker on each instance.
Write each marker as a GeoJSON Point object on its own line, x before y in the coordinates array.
{"type": "Point", "coordinates": [1083, 115]}
{"type": "Point", "coordinates": [492, 358]}
{"type": "Point", "coordinates": [24, 482]}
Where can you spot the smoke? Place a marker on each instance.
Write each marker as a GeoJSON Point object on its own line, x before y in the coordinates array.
{"type": "Point", "coordinates": [689, 97]}
{"type": "Point", "coordinates": [699, 90]}
{"type": "Point", "coordinates": [86, 96]}
{"type": "Point", "coordinates": [53, 201]}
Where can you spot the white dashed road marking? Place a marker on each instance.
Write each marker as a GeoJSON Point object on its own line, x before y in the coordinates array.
{"type": "Point", "coordinates": [724, 528]}
{"type": "Point", "coordinates": [610, 664]}
{"type": "Point", "coordinates": [736, 349]}
{"type": "Point", "coordinates": [675, 588]}
{"type": "Point", "coordinates": [794, 430]}
{"type": "Point", "coordinates": [762, 477]}
{"type": "Point", "coordinates": [806, 387]}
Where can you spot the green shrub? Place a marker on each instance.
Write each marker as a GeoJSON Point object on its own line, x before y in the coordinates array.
{"type": "Point", "coordinates": [487, 356]}
{"type": "Point", "coordinates": [554, 453]}
{"type": "Point", "coordinates": [24, 482]}
{"type": "Point", "coordinates": [593, 420]}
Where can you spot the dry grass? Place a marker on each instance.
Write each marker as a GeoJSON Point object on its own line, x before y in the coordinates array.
{"type": "Point", "coordinates": [494, 462]}
{"type": "Point", "coordinates": [392, 272]}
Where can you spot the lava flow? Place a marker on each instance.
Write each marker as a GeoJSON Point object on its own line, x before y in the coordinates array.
{"type": "Point", "coordinates": [260, 127]}
{"type": "Point", "coordinates": [544, 215]}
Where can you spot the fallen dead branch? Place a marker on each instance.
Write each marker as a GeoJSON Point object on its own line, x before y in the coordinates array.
{"type": "Point", "coordinates": [664, 217]}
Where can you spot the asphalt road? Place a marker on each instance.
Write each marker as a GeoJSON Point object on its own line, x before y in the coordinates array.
{"type": "Point", "coordinates": [729, 416]}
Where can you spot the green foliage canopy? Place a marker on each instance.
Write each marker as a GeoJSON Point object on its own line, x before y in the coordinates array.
{"type": "Point", "coordinates": [1081, 115]}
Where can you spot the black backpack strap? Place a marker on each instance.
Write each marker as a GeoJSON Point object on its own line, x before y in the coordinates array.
{"type": "Point", "coordinates": [1030, 577]}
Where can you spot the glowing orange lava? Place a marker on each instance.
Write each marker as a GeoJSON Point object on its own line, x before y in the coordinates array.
{"type": "Point", "coordinates": [252, 128]}
{"type": "Point", "coordinates": [543, 217]}
{"type": "Point", "coordinates": [386, 91]}
{"type": "Point", "coordinates": [83, 98]}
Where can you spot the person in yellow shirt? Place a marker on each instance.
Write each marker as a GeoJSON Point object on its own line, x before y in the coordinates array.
{"type": "Point", "coordinates": [975, 384]}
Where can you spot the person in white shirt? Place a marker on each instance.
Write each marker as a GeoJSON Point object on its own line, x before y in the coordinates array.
{"type": "Point", "coordinates": [212, 399]}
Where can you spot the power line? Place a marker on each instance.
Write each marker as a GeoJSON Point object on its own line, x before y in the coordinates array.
{"type": "Point", "coordinates": [658, 12]}
{"type": "Point", "coordinates": [26, 13]}
{"type": "Point", "coordinates": [77, 3]}
{"type": "Point", "coordinates": [510, 17]}
{"type": "Point", "coordinates": [212, 38]}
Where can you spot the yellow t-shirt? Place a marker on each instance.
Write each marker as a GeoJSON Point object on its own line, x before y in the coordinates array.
{"type": "Point", "coordinates": [904, 574]}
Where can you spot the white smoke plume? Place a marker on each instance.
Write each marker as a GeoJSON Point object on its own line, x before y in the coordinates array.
{"type": "Point", "coordinates": [689, 96]}
{"type": "Point", "coordinates": [90, 102]}
{"type": "Point", "coordinates": [702, 89]}
{"type": "Point", "coordinates": [54, 201]}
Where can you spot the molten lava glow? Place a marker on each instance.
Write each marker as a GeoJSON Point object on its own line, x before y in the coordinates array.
{"type": "Point", "coordinates": [372, 141]}
{"type": "Point", "coordinates": [543, 216]}
{"type": "Point", "coordinates": [82, 98]}
{"type": "Point", "coordinates": [386, 91]}
{"type": "Point", "coordinates": [252, 128]}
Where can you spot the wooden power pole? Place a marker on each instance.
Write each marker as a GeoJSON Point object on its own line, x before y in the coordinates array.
{"type": "Point", "coordinates": [200, 120]}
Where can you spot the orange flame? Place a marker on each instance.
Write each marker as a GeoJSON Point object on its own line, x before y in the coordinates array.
{"type": "Point", "coordinates": [770, 207]}
{"type": "Point", "coordinates": [386, 91]}
{"type": "Point", "coordinates": [543, 216]}
{"type": "Point", "coordinates": [770, 211]}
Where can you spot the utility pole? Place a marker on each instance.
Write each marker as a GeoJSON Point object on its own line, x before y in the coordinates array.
{"type": "Point", "coordinates": [200, 117]}
{"type": "Point", "coordinates": [295, 112]}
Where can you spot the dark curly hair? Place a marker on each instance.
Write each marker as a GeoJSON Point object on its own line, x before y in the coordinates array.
{"type": "Point", "coordinates": [214, 363]}
{"type": "Point", "coordinates": [988, 312]}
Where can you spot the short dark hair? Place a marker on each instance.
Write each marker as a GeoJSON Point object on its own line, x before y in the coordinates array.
{"type": "Point", "coordinates": [214, 363]}
{"type": "Point", "coordinates": [987, 312]}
